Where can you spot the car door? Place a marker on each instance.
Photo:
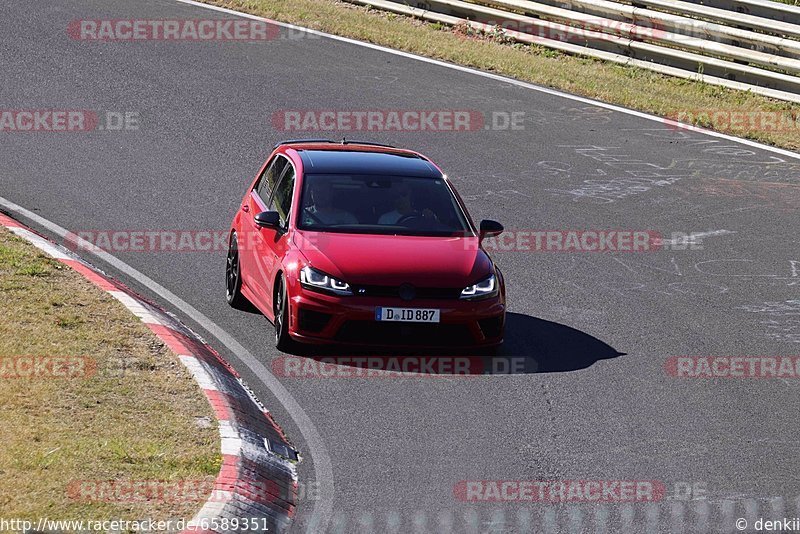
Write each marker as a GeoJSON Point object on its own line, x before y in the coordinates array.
{"type": "Point", "coordinates": [272, 243]}
{"type": "Point", "coordinates": [251, 243]}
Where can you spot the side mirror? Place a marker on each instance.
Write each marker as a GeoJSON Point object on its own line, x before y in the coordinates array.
{"type": "Point", "coordinates": [268, 219]}
{"type": "Point", "coordinates": [490, 228]}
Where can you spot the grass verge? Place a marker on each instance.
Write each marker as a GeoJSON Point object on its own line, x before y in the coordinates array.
{"type": "Point", "coordinates": [631, 87]}
{"type": "Point", "coordinates": [136, 416]}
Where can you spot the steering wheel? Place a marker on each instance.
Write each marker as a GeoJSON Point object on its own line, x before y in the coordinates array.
{"type": "Point", "coordinates": [408, 217]}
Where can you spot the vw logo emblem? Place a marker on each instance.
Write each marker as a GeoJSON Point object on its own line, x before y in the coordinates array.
{"type": "Point", "coordinates": [407, 292]}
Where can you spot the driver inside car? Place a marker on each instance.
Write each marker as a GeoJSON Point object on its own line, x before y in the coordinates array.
{"type": "Point", "coordinates": [403, 209]}
{"type": "Point", "coordinates": [323, 211]}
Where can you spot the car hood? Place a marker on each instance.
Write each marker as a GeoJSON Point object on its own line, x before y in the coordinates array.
{"type": "Point", "coordinates": [364, 259]}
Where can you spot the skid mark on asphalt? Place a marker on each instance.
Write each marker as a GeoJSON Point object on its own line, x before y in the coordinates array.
{"type": "Point", "coordinates": [783, 318]}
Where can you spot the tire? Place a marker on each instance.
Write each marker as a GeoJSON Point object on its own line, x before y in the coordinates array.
{"type": "Point", "coordinates": [233, 276]}
{"type": "Point", "coordinates": [283, 342]}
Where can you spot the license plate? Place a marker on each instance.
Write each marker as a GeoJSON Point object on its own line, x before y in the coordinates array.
{"type": "Point", "coordinates": [407, 315]}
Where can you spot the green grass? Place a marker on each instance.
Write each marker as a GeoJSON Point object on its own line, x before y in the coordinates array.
{"type": "Point", "coordinates": [631, 87]}
{"type": "Point", "coordinates": [135, 418]}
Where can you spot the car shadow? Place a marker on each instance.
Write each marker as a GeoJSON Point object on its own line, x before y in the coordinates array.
{"type": "Point", "coordinates": [554, 347]}
{"type": "Point", "coordinates": [531, 345]}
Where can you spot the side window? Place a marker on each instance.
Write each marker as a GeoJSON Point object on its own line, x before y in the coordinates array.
{"type": "Point", "coordinates": [282, 200]}
{"type": "Point", "coordinates": [266, 184]}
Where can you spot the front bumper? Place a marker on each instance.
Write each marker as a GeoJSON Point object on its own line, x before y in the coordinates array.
{"type": "Point", "coordinates": [320, 318]}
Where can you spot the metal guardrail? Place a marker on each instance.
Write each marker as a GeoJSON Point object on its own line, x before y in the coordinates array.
{"type": "Point", "coordinates": [691, 41]}
{"type": "Point", "coordinates": [737, 13]}
{"type": "Point", "coordinates": [768, 9]}
{"type": "Point", "coordinates": [709, 27]}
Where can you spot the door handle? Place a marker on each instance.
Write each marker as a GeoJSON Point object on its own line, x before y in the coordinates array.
{"type": "Point", "coordinates": [246, 208]}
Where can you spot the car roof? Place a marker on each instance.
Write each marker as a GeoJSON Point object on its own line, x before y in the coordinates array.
{"type": "Point", "coordinates": [329, 158]}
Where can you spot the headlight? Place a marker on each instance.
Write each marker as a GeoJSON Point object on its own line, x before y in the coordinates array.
{"type": "Point", "coordinates": [317, 280]}
{"type": "Point", "coordinates": [484, 288]}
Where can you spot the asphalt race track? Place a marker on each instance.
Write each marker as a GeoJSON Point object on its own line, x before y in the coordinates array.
{"type": "Point", "coordinates": [589, 333]}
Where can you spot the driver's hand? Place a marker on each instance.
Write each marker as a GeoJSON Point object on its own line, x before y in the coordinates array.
{"type": "Point", "coordinates": [428, 214]}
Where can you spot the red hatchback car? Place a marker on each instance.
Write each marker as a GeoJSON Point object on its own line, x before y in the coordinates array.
{"type": "Point", "coordinates": [361, 244]}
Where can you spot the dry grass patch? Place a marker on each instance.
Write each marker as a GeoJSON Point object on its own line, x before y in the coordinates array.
{"type": "Point", "coordinates": [136, 418]}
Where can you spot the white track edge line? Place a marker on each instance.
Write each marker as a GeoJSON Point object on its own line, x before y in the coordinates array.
{"type": "Point", "coordinates": [230, 439]}
{"type": "Point", "coordinates": [553, 92]}
{"type": "Point", "coordinates": [323, 506]}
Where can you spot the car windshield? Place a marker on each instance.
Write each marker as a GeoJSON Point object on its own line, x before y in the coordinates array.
{"type": "Point", "coordinates": [387, 205]}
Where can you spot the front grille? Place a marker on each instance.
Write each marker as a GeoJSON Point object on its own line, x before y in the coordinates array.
{"type": "Point", "coordinates": [414, 334]}
{"type": "Point", "coordinates": [312, 321]}
{"type": "Point", "coordinates": [445, 293]}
